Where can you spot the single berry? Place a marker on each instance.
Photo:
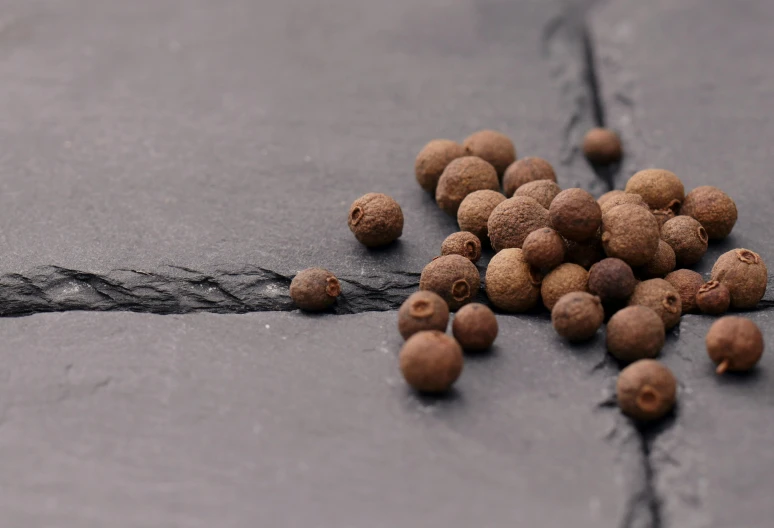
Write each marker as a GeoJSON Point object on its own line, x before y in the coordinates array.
{"type": "Point", "coordinates": [612, 279]}
{"type": "Point", "coordinates": [544, 191]}
{"type": "Point", "coordinates": [745, 275]}
{"type": "Point", "coordinates": [433, 159]}
{"type": "Point", "coordinates": [462, 177]}
{"type": "Point", "coordinates": [687, 284]}
{"type": "Point", "coordinates": [713, 298]}
{"type": "Point", "coordinates": [646, 390]}
{"type": "Point", "coordinates": [661, 297]}
{"type": "Point", "coordinates": [687, 238]}
{"type": "Point", "coordinates": [423, 310]}
{"type": "Point", "coordinates": [662, 263]}
{"type": "Point", "coordinates": [630, 233]}
{"type": "Point", "coordinates": [713, 208]}
{"type": "Point", "coordinates": [734, 344]}
{"type": "Point", "coordinates": [475, 327]}
{"type": "Point", "coordinates": [314, 289]}
{"type": "Point", "coordinates": [524, 171]}
{"type": "Point", "coordinates": [431, 361]}
{"type": "Point", "coordinates": [462, 243]}
{"type": "Point", "coordinates": [375, 220]}
{"type": "Point", "coordinates": [608, 195]}
{"type": "Point", "coordinates": [511, 284]}
{"type": "Point", "coordinates": [492, 146]}
{"type": "Point", "coordinates": [544, 248]}
{"type": "Point", "coordinates": [562, 280]}
{"type": "Point", "coordinates": [575, 214]}
{"type": "Point", "coordinates": [453, 277]}
{"type": "Point", "coordinates": [577, 316]}
{"type": "Point", "coordinates": [602, 146]}
{"type": "Point", "coordinates": [474, 211]}
{"type": "Point", "coordinates": [635, 332]}
{"type": "Point", "coordinates": [661, 189]}
{"type": "Point", "coordinates": [623, 198]}
{"type": "Point", "coordinates": [514, 219]}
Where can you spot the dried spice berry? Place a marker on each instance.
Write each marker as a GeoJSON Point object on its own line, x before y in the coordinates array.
{"type": "Point", "coordinates": [662, 262]}
{"type": "Point", "coordinates": [745, 275]}
{"type": "Point", "coordinates": [423, 310]}
{"type": "Point", "coordinates": [544, 248]}
{"type": "Point", "coordinates": [612, 279]}
{"type": "Point", "coordinates": [431, 361]}
{"type": "Point", "coordinates": [687, 284]}
{"type": "Point", "coordinates": [494, 147]}
{"type": "Point", "coordinates": [577, 316]}
{"type": "Point", "coordinates": [376, 220]}
{"type": "Point", "coordinates": [713, 208]}
{"type": "Point", "coordinates": [713, 298]}
{"type": "Point", "coordinates": [511, 284]}
{"type": "Point", "coordinates": [433, 159]}
{"type": "Point", "coordinates": [608, 195]}
{"type": "Point", "coordinates": [575, 214]}
{"type": "Point", "coordinates": [634, 333]}
{"type": "Point", "coordinates": [646, 390]}
{"type": "Point", "coordinates": [474, 212]}
{"type": "Point", "coordinates": [585, 254]}
{"type": "Point", "coordinates": [563, 280]}
{"type": "Point", "coordinates": [623, 198]}
{"type": "Point", "coordinates": [524, 171]}
{"type": "Point", "coordinates": [544, 191]}
{"type": "Point", "coordinates": [314, 289]}
{"type": "Point", "coordinates": [462, 243]}
{"type": "Point", "coordinates": [734, 344]}
{"type": "Point", "coordinates": [514, 219]}
{"type": "Point", "coordinates": [661, 297]}
{"type": "Point", "coordinates": [663, 216]}
{"type": "Point", "coordinates": [453, 277]}
{"type": "Point", "coordinates": [475, 327]}
{"type": "Point", "coordinates": [462, 177]}
{"type": "Point", "coordinates": [630, 233]}
{"type": "Point", "coordinates": [661, 189]}
{"type": "Point", "coordinates": [602, 146]}
{"type": "Point", "coordinates": [687, 237]}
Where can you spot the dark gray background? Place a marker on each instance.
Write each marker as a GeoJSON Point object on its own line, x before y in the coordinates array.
{"type": "Point", "coordinates": [173, 156]}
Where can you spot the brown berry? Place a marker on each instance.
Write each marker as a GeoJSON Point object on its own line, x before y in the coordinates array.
{"type": "Point", "coordinates": [623, 198]}
{"type": "Point", "coordinates": [662, 262]}
{"type": "Point", "coordinates": [687, 284]}
{"type": "Point", "coordinates": [433, 159]}
{"type": "Point", "coordinates": [376, 220]}
{"type": "Point", "coordinates": [713, 208]}
{"type": "Point", "coordinates": [661, 297]}
{"type": "Point", "coordinates": [562, 280]}
{"type": "Point", "coordinates": [744, 274]}
{"type": "Point", "coordinates": [575, 214]}
{"type": "Point", "coordinates": [314, 289]}
{"type": "Point", "coordinates": [453, 277]}
{"type": "Point", "coordinates": [646, 390]}
{"type": "Point", "coordinates": [585, 254]}
{"type": "Point", "coordinates": [687, 238]}
{"type": "Point", "coordinates": [474, 212]}
{"type": "Point", "coordinates": [524, 171]}
{"type": "Point", "coordinates": [511, 284]}
{"type": "Point", "coordinates": [423, 310]}
{"type": "Point", "coordinates": [661, 189]}
{"type": "Point", "coordinates": [462, 243]}
{"type": "Point", "coordinates": [662, 216]}
{"type": "Point", "coordinates": [431, 361]}
{"type": "Point", "coordinates": [514, 219]}
{"type": "Point", "coordinates": [475, 327]}
{"type": "Point", "coordinates": [577, 316]}
{"type": "Point", "coordinates": [462, 177]}
{"type": "Point", "coordinates": [492, 146]}
{"type": "Point", "coordinates": [602, 146]}
{"type": "Point", "coordinates": [634, 333]}
{"type": "Point", "coordinates": [544, 248]}
{"type": "Point", "coordinates": [602, 200]}
{"type": "Point", "coordinates": [734, 344]}
{"type": "Point", "coordinates": [630, 233]}
{"type": "Point", "coordinates": [612, 279]}
{"type": "Point", "coordinates": [544, 191]}
{"type": "Point", "coordinates": [713, 298]}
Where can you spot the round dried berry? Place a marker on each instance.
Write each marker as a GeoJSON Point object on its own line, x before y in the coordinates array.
{"type": "Point", "coordinates": [734, 344]}
{"type": "Point", "coordinates": [474, 211]}
{"type": "Point", "coordinates": [660, 189]}
{"type": "Point", "coordinates": [577, 316]}
{"type": "Point", "coordinates": [433, 159]}
{"type": "Point", "coordinates": [687, 238]}
{"type": "Point", "coordinates": [544, 248]}
{"type": "Point", "coordinates": [544, 191]}
{"type": "Point", "coordinates": [612, 279]}
{"type": "Point", "coordinates": [376, 220]}
{"type": "Point", "coordinates": [630, 233]}
{"type": "Point", "coordinates": [609, 194]}
{"type": "Point", "coordinates": [314, 289]}
{"type": "Point", "coordinates": [462, 177]}
{"type": "Point", "coordinates": [745, 275]}
{"type": "Point", "coordinates": [661, 297]}
{"type": "Point", "coordinates": [492, 146]}
{"type": "Point", "coordinates": [475, 327]}
{"type": "Point", "coordinates": [562, 280]}
{"type": "Point", "coordinates": [431, 361]}
{"type": "Point", "coordinates": [585, 254]}
{"type": "Point", "coordinates": [662, 262]}
{"type": "Point", "coordinates": [511, 284]}
{"type": "Point", "coordinates": [634, 333]}
{"type": "Point", "coordinates": [713, 298]}
{"type": "Point", "coordinates": [524, 171]}
{"type": "Point", "coordinates": [713, 208]}
{"type": "Point", "coordinates": [687, 284]}
{"type": "Point", "coordinates": [514, 219]}
{"type": "Point", "coordinates": [462, 243]}
{"type": "Point", "coordinates": [576, 215]}
{"type": "Point", "coordinates": [602, 146]}
{"type": "Point", "coordinates": [453, 277]}
{"type": "Point", "coordinates": [623, 198]}
{"type": "Point", "coordinates": [646, 390]}
{"type": "Point", "coordinates": [423, 310]}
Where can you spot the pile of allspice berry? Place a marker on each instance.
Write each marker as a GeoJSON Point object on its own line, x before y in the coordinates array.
{"type": "Point", "coordinates": [623, 258]}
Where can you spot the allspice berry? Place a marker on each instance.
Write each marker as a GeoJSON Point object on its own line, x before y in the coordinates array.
{"type": "Point", "coordinates": [562, 280]}
{"type": "Point", "coordinates": [475, 327]}
{"type": "Point", "coordinates": [453, 277]}
{"type": "Point", "coordinates": [494, 147]}
{"type": "Point", "coordinates": [661, 189]}
{"type": "Point", "coordinates": [433, 159]}
{"type": "Point", "coordinates": [734, 344]}
{"type": "Point", "coordinates": [745, 275]}
{"type": "Point", "coordinates": [663, 216]}
{"type": "Point", "coordinates": [713, 298]}
{"type": "Point", "coordinates": [544, 191]}
{"type": "Point", "coordinates": [687, 238]}
{"type": "Point", "coordinates": [630, 233]}
{"type": "Point", "coordinates": [687, 284]}
{"type": "Point", "coordinates": [634, 333]}
{"type": "Point", "coordinates": [544, 248]}
{"type": "Point", "coordinates": [514, 219]}
{"type": "Point", "coordinates": [423, 310]}
{"type": "Point", "coordinates": [431, 361]}
{"type": "Point", "coordinates": [462, 243]}
{"type": "Point", "coordinates": [713, 208]}
{"type": "Point", "coordinates": [602, 146]}
{"type": "Point", "coordinates": [662, 262]}
{"type": "Point", "coordinates": [646, 390]}
{"type": "Point", "coordinates": [524, 171]}
{"type": "Point", "coordinates": [661, 297]}
{"type": "Point", "coordinates": [608, 195]}
{"type": "Point", "coordinates": [314, 289]}
{"type": "Point", "coordinates": [612, 279]}
{"type": "Point", "coordinates": [623, 198]}
{"type": "Point", "coordinates": [511, 284]}
{"type": "Point", "coordinates": [575, 214]}
{"type": "Point", "coordinates": [376, 220]}
{"type": "Point", "coordinates": [585, 254]}
{"type": "Point", "coordinates": [462, 177]}
{"type": "Point", "coordinates": [474, 212]}
{"type": "Point", "coordinates": [577, 316]}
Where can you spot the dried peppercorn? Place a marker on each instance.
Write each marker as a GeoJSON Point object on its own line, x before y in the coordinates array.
{"type": "Point", "coordinates": [646, 390]}
{"type": "Point", "coordinates": [475, 327]}
{"type": "Point", "coordinates": [687, 284]}
{"type": "Point", "coordinates": [462, 243]}
{"type": "Point", "coordinates": [474, 212]}
{"type": "Point", "coordinates": [623, 198]}
{"type": "Point", "coordinates": [423, 310]}
{"type": "Point", "coordinates": [713, 208]}
{"type": "Point", "coordinates": [577, 316]}
{"type": "Point", "coordinates": [562, 280]}
{"type": "Point", "coordinates": [492, 146]}
{"type": "Point", "coordinates": [661, 189]}
{"type": "Point", "coordinates": [511, 284]}
{"type": "Point", "coordinates": [734, 344]}
{"type": "Point", "coordinates": [634, 333]}
{"type": "Point", "coordinates": [687, 238]}
{"type": "Point", "coordinates": [713, 298]}
{"type": "Point", "coordinates": [745, 275]}
{"type": "Point", "coordinates": [612, 279]}
{"type": "Point", "coordinates": [314, 289]}
{"type": "Point", "coordinates": [585, 254]}
{"type": "Point", "coordinates": [433, 159]}
{"type": "Point", "coordinates": [453, 277]}
{"type": "Point", "coordinates": [662, 263]}
{"type": "Point", "coordinates": [661, 297]}
{"type": "Point", "coordinates": [375, 219]}
{"type": "Point", "coordinates": [544, 191]}
{"type": "Point", "coordinates": [524, 171]}
{"type": "Point", "coordinates": [462, 177]}
{"type": "Point", "coordinates": [602, 146]}
{"type": "Point", "coordinates": [544, 248]}
{"type": "Point", "coordinates": [630, 233]}
{"type": "Point", "coordinates": [514, 219]}
{"type": "Point", "coordinates": [575, 214]}
{"type": "Point", "coordinates": [431, 361]}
